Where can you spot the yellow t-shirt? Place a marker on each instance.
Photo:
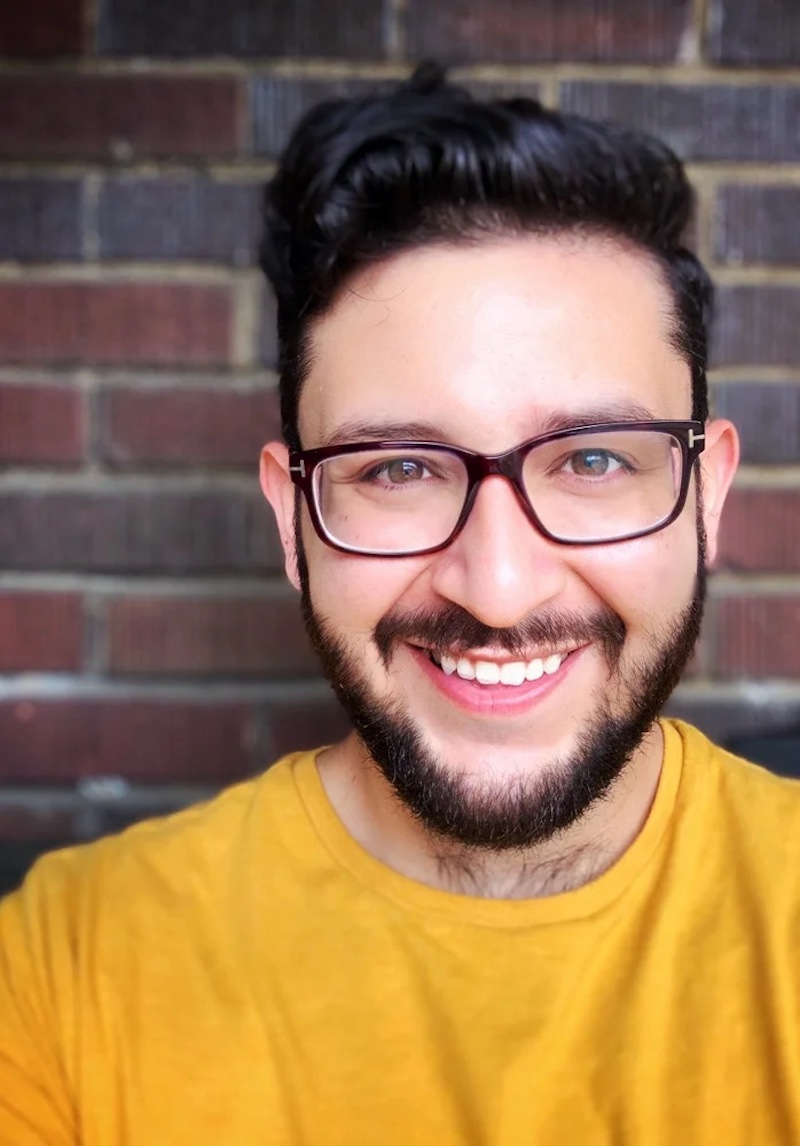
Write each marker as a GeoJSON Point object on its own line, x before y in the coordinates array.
{"type": "Point", "coordinates": [243, 973]}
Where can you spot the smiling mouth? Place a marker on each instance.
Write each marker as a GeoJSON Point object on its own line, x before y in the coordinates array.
{"type": "Point", "coordinates": [511, 673]}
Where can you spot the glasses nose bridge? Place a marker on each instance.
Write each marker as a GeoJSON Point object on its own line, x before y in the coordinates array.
{"type": "Point", "coordinates": [507, 465]}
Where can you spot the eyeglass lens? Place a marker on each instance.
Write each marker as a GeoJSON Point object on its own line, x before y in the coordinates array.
{"type": "Point", "coordinates": [590, 487]}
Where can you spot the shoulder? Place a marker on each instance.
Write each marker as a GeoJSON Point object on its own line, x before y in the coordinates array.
{"type": "Point", "coordinates": [177, 854]}
{"type": "Point", "coordinates": [734, 774]}
{"type": "Point", "coordinates": [755, 811]}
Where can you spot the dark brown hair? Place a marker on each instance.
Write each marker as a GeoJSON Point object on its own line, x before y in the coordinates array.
{"type": "Point", "coordinates": [424, 162]}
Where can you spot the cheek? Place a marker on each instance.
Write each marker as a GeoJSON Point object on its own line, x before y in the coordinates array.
{"type": "Point", "coordinates": [647, 581]}
{"type": "Point", "coordinates": [354, 593]}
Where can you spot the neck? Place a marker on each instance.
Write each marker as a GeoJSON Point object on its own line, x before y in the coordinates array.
{"type": "Point", "coordinates": [375, 818]}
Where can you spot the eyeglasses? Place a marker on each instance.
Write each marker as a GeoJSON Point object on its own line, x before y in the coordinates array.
{"type": "Point", "coordinates": [589, 486]}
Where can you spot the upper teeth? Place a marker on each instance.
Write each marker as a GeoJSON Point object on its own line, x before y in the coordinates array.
{"type": "Point", "coordinates": [489, 672]}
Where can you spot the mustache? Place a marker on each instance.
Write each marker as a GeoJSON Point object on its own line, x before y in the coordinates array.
{"type": "Point", "coordinates": [455, 630]}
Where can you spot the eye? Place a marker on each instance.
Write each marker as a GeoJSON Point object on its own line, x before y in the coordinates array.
{"type": "Point", "coordinates": [593, 463]}
{"type": "Point", "coordinates": [398, 471]}
{"type": "Point", "coordinates": [405, 470]}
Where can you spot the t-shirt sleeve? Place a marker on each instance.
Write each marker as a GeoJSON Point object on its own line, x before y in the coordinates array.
{"type": "Point", "coordinates": [36, 977]}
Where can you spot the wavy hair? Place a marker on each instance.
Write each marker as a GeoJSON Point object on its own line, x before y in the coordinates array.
{"type": "Point", "coordinates": [366, 177]}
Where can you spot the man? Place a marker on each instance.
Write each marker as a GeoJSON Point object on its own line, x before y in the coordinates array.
{"type": "Point", "coordinates": [513, 906]}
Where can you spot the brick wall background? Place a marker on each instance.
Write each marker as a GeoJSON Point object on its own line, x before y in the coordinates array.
{"type": "Point", "coordinates": [149, 650]}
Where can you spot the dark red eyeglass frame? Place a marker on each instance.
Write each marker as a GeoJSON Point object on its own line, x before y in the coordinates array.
{"type": "Point", "coordinates": [689, 434]}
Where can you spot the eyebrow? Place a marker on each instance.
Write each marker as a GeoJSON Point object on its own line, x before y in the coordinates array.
{"type": "Point", "coordinates": [384, 431]}
{"type": "Point", "coordinates": [391, 431]}
{"type": "Point", "coordinates": [613, 412]}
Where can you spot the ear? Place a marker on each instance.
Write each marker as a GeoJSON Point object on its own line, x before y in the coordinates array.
{"type": "Point", "coordinates": [718, 464]}
{"type": "Point", "coordinates": [278, 489]}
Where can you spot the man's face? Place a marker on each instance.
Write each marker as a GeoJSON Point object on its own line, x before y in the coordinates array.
{"type": "Point", "coordinates": [484, 347]}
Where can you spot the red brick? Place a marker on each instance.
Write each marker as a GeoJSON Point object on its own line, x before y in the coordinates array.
{"type": "Point", "coordinates": [757, 637]}
{"type": "Point", "coordinates": [46, 28]}
{"type": "Point", "coordinates": [118, 117]}
{"type": "Point", "coordinates": [41, 424]}
{"type": "Point", "coordinates": [158, 323]}
{"type": "Point", "coordinates": [146, 740]}
{"type": "Point", "coordinates": [41, 632]}
{"type": "Point", "coordinates": [209, 636]}
{"type": "Point", "coordinates": [179, 426]}
{"type": "Point", "coordinates": [761, 531]}
{"type": "Point", "coordinates": [519, 31]}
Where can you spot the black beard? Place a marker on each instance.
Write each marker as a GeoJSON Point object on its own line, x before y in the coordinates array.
{"type": "Point", "coordinates": [521, 811]}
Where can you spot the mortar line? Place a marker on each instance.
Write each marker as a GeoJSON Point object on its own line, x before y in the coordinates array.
{"type": "Point", "coordinates": [701, 12]}
{"type": "Point", "coordinates": [550, 90]}
{"type": "Point", "coordinates": [701, 72]}
{"type": "Point", "coordinates": [91, 26]}
{"type": "Point", "coordinates": [394, 29]}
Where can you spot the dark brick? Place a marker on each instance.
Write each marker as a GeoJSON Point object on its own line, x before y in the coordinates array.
{"type": "Point", "coordinates": [41, 423]}
{"type": "Point", "coordinates": [44, 818]}
{"type": "Point", "coordinates": [25, 834]}
{"type": "Point", "coordinates": [350, 28]}
{"type": "Point", "coordinates": [179, 426]}
{"type": "Point", "coordinates": [268, 328]}
{"type": "Point", "coordinates": [115, 323]}
{"type": "Point", "coordinates": [46, 28]}
{"type": "Point", "coordinates": [724, 122]}
{"type": "Point", "coordinates": [755, 224]}
{"type": "Point", "coordinates": [279, 104]}
{"type": "Point", "coordinates": [743, 32]}
{"type": "Point", "coordinates": [40, 219]}
{"type": "Point", "coordinates": [179, 218]}
{"type": "Point", "coordinates": [725, 719]}
{"type": "Point", "coordinates": [157, 530]}
{"type": "Point", "coordinates": [17, 856]}
{"type": "Point", "coordinates": [757, 325]}
{"type": "Point", "coordinates": [209, 636]}
{"type": "Point", "coordinates": [778, 750]}
{"type": "Point", "coordinates": [36, 821]}
{"type": "Point", "coordinates": [757, 637]}
{"type": "Point", "coordinates": [99, 816]}
{"type": "Point", "coordinates": [150, 740]}
{"type": "Point", "coordinates": [518, 31]}
{"type": "Point", "coordinates": [297, 725]}
{"type": "Point", "coordinates": [119, 117]}
{"type": "Point", "coordinates": [761, 531]}
{"type": "Point", "coordinates": [767, 416]}
{"type": "Point", "coordinates": [498, 89]}
{"type": "Point", "coordinates": [41, 632]}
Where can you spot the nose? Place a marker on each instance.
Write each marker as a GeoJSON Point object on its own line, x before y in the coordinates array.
{"type": "Point", "coordinates": [500, 568]}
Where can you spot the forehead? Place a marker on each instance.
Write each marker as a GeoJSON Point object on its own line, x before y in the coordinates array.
{"type": "Point", "coordinates": [486, 344]}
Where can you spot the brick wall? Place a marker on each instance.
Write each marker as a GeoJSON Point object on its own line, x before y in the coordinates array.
{"type": "Point", "coordinates": [149, 650]}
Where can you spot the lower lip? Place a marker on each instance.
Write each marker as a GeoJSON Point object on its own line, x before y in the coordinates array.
{"type": "Point", "coordinates": [495, 699]}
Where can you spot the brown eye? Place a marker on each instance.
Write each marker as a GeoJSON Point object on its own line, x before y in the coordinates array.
{"type": "Point", "coordinates": [593, 463]}
{"type": "Point", "coordinates": [401, 471]}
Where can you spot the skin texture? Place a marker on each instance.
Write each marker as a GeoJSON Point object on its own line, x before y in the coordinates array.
{"type": "Point", "coordinates": [486, 344]}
